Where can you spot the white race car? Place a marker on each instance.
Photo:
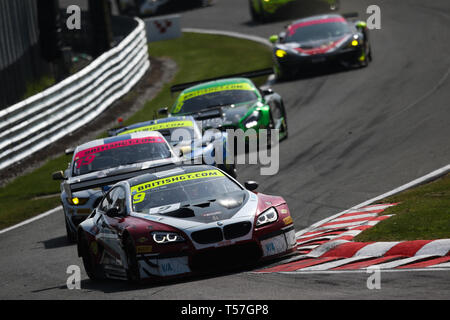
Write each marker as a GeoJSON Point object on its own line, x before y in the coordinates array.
{"type": "Point", "coordinates": [104, 162]}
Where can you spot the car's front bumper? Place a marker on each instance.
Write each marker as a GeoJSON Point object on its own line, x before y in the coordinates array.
{"type": "Point", "coordinates": [260, 246]}
{"type": "Point", "coordinates": [298, 63]}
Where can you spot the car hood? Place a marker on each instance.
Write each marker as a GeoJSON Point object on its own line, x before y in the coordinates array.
{"type": "Point", "coordinates": [224, 116]}
{"type": "Point", "coordinates": [226, 209]}
{"type": "Point", "coordinates": [317, 46]}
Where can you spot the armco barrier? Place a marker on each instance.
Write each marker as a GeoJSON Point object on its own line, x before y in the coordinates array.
{"type": "Point", "coordinates": [38, 121]}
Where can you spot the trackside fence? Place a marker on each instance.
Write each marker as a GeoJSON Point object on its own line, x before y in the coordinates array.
{"type": "Point", "coordinates": [33, 124]}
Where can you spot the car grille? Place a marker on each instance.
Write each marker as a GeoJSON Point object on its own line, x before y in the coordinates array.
{"type": "Point", "coordinates": [207, 236]}
{"type": "Point", "coordinates": [236, 230]}
{"type": "Point", "coordinates": [226, 257]}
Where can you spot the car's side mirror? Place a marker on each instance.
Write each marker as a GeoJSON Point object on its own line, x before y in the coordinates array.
{"type": "Point", "coordinates": [266, 91]}
{"type": "Point", "coordinates": [114, 212]}
{"type": "Point", "coordinates": [251, 185]}
{"type": "Point", "coordinates": [58, 175]}
{"type": "Point", "coordinates": [273, 39]}
{"type": "Point", "coordinates": [163, 111]}
{"type": "Point", "coordinates": [69, 151]}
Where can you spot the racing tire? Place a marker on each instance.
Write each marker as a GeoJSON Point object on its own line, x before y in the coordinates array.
{"type": "Point", "coordinates": [71, 235]}
{"type": "Point", "coordinates": [93, 270]}
{"type": "Point", "coordinates": [133, 266]}
{"type": "Point", "coordinates": [285, 124]}
{"type": "Point", "coordinates": [257, 17]}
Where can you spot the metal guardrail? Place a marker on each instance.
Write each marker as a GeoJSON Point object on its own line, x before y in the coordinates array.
{"type": "Point", "coordinates": [40, 120]}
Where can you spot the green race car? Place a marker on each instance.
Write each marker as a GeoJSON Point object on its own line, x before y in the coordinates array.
{"type": "Point", "coordinates": [232, 103]}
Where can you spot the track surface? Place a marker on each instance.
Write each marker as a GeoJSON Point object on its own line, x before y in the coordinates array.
{"type": "Point", "coordinates": [353, 136]}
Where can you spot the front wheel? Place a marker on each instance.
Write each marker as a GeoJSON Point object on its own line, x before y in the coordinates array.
{"type": "Point", "coordinates": [133, 267]}
{"type": "Point", "coordinates": [93, 270]}
{"type": "Point", "coordinates": [71, 236]}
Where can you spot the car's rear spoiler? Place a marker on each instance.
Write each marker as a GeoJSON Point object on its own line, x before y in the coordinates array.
{"type": "Point", "coordinates": [110, 180]}
{"type": "Point", "coordinates": [249, 74]}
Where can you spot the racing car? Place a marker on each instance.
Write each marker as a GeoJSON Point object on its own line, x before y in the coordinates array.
{"type": "Point", "coordinates": [152, 7]}
{"type": "Point", "coordinates": [104, 162]}
{"type": "Point", "coordinates": [318, 40]}
{"type": "Point", "coordinates": [195, 147]}
{"type": "Point", "coordinates": [264, 10]}
{"type": "Point", "coordinates": [180, 221]}
{"type": "Point", "coordinates": [231, 103]}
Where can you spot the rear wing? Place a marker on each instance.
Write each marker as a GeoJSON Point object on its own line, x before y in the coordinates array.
{"type": "Point", "coordinates": [70, 188]}
{"type": "Point", "coordinates": [249, 74]}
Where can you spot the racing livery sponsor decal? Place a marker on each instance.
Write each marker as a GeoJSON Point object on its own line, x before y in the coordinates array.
{"type": "Point", "coordinates": [161, 126]}
{"type": "Point", "coordinates": [85, 157]}
{"type": "Point", "coordinates": [139, 194]}
{"type": "Point", "coordinates": [196, 93]}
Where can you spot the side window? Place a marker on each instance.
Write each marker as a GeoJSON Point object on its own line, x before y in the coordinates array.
{"type": "Point", "coordinates": [107, 201]}
{"type": "Point", "coordinates": [118, 199]}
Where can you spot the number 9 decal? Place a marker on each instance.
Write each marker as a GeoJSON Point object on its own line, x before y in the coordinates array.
{"type": "Point", "coordinates": [139, 197]}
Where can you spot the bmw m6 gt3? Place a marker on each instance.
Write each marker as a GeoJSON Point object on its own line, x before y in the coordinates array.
{"type": "Point", "coordinates": [180, 221]}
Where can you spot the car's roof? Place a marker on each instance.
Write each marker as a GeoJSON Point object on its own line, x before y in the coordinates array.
{"type": "Point", "coordinates": [215, 83]}
{"type": "Point", "coordinates": [134, 135]}
{"type": "Point", "coordinates": [179, 170]}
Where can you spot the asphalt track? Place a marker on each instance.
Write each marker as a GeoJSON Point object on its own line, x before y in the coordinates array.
{"type": "Point", "coordinates": [353, 135]}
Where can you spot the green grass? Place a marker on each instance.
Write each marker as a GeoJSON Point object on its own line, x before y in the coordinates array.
{"type": "Point", "coordinates": [38, 86]}
{"type": "Point", "coordinates": [423, 214]}
{"type": "Point", "coordinates": [197, 56]}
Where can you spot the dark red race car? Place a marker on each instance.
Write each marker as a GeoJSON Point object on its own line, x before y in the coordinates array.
{"type": "Point", "coordinates": [181, 220]}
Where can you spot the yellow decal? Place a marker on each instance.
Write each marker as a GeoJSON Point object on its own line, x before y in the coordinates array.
{"type": "Point", "coordinates": [196, 93]}
{"type": "Point", "coordinates": [160, 126]}
{"type": "Point", "coordinates": [144, 249]}
{"type": "Point", "coordinates": [139, 190]}
{"type": "Point", "coordinates": [288, 220]}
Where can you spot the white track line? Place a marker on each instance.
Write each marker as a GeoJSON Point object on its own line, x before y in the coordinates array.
{"type": "Point", "coordinates": [43, 215]}
{"type": "Point", "coordinates": [426, 178]}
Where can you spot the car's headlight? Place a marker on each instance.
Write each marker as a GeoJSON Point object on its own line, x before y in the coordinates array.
{"type": "Point", "coordinates": [252, 120]}
{"type": "Point", "coordinates": [280, 53]}
{"type": "Point", "coordinates": [355, 42]}
{"type": "Point", "coordinates": [77, 201]}
{"type": "Point", "coordinates": [267, 217]}
{"type": "Point", "coordinates": [162, 237]}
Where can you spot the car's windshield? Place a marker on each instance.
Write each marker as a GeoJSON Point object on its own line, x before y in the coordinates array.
{"type": "Point", "coordinates": [197, 102]}
{"type": "Point", "coordinates": [183, 188]}
{"type": "Point", "coordinates": [304, 32]}
{"type": "Point", "coordinates": [173, 135]}
{"type": "Point", "coordinates": [119, 153]}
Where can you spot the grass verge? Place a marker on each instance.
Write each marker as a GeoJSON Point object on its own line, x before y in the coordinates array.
{"type": "Point", "coordinates": [198, 56]}
{"type": "Point", "coordinates": [423, 213]}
